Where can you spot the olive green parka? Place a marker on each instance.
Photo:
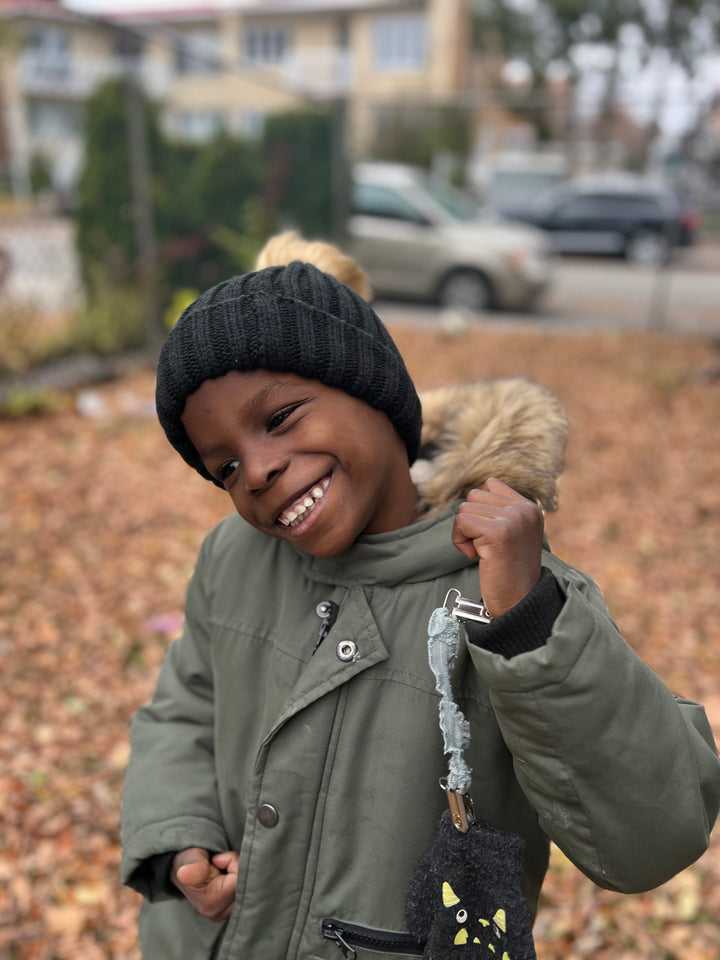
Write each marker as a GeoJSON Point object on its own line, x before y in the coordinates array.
{"type": "Point", "coordinates": [321, 766]}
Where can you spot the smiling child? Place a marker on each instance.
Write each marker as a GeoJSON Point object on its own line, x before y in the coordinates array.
{"type": "Point", "coordinates": [283, 782]}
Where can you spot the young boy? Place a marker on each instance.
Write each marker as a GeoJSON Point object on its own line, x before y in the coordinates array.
{"type": "Point", "coordinates": [283, 783]}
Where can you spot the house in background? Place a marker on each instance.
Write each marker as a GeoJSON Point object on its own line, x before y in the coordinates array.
{"type": "Point", "coordinates": [224, 67]}
{"type": "Point", "coordinates": [50, 62]}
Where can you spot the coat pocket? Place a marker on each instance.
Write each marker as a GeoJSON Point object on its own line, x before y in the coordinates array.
{"type": "Point", "coordinates": [355, 942]}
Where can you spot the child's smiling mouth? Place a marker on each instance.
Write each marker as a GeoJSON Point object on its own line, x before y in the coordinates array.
{"type": "Point", "coordinates": [303, 506]}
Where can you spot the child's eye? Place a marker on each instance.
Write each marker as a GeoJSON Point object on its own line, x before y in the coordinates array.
{"type": "Point", "coordinates": [277, 419]}
{"type": "Point", "coordinates": [226, 470]}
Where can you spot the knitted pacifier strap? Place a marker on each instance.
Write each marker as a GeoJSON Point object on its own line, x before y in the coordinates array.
{"type": "Point", "coordinates": [443, 647]}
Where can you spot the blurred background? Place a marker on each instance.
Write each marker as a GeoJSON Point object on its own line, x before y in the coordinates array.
{"type": "Point", "coordinates": [533, 187]}
{"type": "Point", "coordinates": [517, 155]}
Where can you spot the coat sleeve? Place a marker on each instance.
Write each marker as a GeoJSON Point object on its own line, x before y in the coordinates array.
{"type": "Point", "coordinates": [624, 776]}
{"type": "Point", "coordinates": [170, 798]}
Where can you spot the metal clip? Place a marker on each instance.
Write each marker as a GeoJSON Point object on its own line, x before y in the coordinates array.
{"type": "Point", "coordinates": [463, 609]}
{"type": "Point", "coordinates": [461, 807]}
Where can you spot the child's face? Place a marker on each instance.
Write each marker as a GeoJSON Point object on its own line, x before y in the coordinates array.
{"type": "Point", "coordinates": [302, 461]}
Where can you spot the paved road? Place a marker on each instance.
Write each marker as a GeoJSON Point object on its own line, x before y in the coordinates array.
{"type": "Point", "coordinates": [591, 294]}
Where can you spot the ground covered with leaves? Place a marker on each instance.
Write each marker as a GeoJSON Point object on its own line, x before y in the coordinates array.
{"type": "Point", "coordinates": [100, 522]}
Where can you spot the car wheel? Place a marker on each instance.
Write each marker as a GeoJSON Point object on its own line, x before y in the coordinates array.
{"type": "Point", "coordinates": [466, 289]}
{"type": "Point", "coordinates": [647, 249]}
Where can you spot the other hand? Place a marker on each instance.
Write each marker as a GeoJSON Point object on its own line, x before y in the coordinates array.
{"type": "Point", "coordinates": [505, 531]}
{"type": "Point", "coordinates": [208, 883]}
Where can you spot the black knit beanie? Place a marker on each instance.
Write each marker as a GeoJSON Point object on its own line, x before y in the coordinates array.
{"type": "Point", "coordinates": [293, 319]}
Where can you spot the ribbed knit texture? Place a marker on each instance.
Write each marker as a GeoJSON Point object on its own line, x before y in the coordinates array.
{"type": "Point", "coordinates": [524, 627]}
{"type": "Point", "coordinates": [293, 319]}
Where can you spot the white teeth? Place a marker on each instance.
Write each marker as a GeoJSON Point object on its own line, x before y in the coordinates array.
{"type": "Point", "coordinates": [304, 505]}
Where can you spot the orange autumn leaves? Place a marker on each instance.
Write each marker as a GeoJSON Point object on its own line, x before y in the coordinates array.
{"type": "Point", "coordinates": [100, 522]}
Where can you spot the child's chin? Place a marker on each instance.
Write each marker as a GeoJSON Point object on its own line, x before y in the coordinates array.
{"type": "Point", "coordinates": [324, 547]}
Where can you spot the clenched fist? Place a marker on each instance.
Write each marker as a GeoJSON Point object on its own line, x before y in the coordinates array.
{"type": "Point", "coordinates": [505, 531]}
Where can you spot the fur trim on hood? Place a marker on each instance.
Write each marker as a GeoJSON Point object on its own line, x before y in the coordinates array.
{"type": "Point", "coordinates": [511, 429]}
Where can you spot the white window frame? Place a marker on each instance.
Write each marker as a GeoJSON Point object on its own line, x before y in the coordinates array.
{"type": "Point", "coordinates": [400, 42]}
{"type": "Point", "coordinates": [198, 52]}
{"type": "Point", "coordinates": [266, 45]}
{"type": "Point", "coordinates": [197, 126]}
{"type": "Point", "coordinates": [48, 53]}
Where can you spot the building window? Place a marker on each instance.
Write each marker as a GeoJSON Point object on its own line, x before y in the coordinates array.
{"type": "Point", "coordinates": [400, 42]}
{"type": "Point", "coordinates": [54, 121]}
{"type": "Point", "coordinates": [198, 52]}
{"type": "Point", "coordinates": [197, 126]}
{"type": "Point", "coordinates": [265, 45]}
{"type": "Point", "coordinates": [47, 54]}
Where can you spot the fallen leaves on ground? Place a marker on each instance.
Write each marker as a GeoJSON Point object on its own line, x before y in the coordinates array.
{"type": "Point", "coordinates": [100, 524]}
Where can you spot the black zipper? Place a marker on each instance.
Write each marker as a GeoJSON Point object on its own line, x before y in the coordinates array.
{"type": "Point", "coordinates": [348, 935]}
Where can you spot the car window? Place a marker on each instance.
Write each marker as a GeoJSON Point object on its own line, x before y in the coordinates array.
{"type": "Point", "coordinates": [609, 207]}
{"type": "Point", "coordinates": [369, 200]}
{"type": "Point", "coordinates": [643, 208]}
{"type": "Point", "coordinates": [582, 208]}
{"type": "Point", "coordinates": [456, 202]}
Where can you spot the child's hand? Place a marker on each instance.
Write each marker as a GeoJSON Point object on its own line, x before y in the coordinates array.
{"type": "Point", "coordinates": [208, 884]}
{"type": "Point", "coordinates": [505, 531]}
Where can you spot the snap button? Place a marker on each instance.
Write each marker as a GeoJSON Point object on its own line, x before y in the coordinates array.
{"type": "Point", "coordinates": [267, 815]}
{"type": "Point", "coordinates": [346, 651]}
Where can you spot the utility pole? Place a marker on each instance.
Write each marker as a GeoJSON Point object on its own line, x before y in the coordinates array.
{"type": "Point", "coordinates": [340, 180]}
{"type": "Point", "coordinates": [140, 177]}
{"type": "Point", "coordinates": [339, 172]}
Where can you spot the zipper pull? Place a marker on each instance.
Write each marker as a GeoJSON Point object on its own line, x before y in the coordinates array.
{"type": "Point", "coordinates": [331, 932]}
{"type": "Point", "coordinates": [327, 611]}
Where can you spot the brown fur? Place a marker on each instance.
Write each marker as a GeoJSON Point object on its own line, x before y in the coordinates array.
{"type": "Point", "coordinates": [286, 247]}
{"type": "Point", "coordinates": [511, 429]}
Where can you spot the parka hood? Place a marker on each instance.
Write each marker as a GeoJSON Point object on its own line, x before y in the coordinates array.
{"type": "Point", "coordinates": [512, 429]}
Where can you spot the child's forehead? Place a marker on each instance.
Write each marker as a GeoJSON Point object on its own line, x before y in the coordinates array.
{"type": "Point", "coordinates": [253, 389]}
{"type": "Point", "coordinates": [265, 381]}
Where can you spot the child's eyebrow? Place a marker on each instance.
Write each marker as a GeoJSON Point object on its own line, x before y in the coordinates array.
{"type": "Point", "coordinates": [256, 402]}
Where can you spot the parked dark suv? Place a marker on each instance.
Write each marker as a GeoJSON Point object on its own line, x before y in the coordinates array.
{"type": "Point", "coordinates": [640, 219]}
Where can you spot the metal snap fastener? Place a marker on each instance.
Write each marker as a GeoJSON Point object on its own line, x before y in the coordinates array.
{"type": "Point", "coordinates": [347, 651]}
{"type": "Point", "coordinates": [267, 815]}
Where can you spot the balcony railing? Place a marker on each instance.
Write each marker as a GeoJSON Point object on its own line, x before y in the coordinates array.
{"type": "Point", "coordinates": [75, 78]}
{"type": "Point", "coordinates": [319, 72]}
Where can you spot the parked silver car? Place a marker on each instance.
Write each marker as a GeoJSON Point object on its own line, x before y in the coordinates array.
{"type": "Point", "coordinates": [420, 238]}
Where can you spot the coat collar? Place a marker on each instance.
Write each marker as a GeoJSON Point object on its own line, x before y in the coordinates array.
{"type": "Point", "coordinates": [423, 551]}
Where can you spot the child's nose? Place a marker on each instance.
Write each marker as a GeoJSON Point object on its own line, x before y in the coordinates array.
{"type": "Point", "coordinates": [262, 467]}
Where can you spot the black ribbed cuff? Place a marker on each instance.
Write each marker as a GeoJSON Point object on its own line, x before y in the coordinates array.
{"type": "Point", "coordinates": [155, 874]}
{"type": "Point", "coordinates": [524, 627]}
